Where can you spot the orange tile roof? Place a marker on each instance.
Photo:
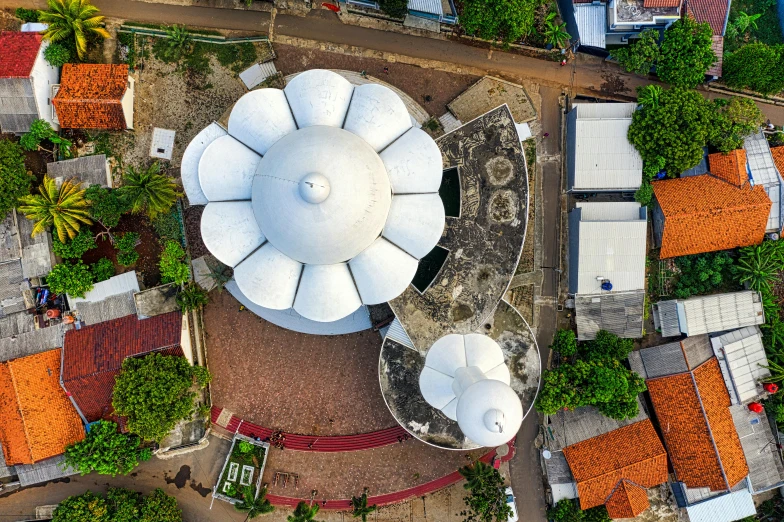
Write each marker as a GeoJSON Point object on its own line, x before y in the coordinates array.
{"type": "Point", "coordinates": [49, 420]}
{"type": "Point", "coordinates": [633, 453]}
{"type": "Point", "coordinates": [706, 214]}
{"type": "Point", "coordinates": [661, 3]}
{"type": "Point", "coordinates": [778, 158]}
{"type": "Point", "coordinates": [730, 167]}
{"type": "Point", "coordinates": [90, 96]}
{"type": "Point", "coordinates": [627, 501]}
{"type": "Point", "coordinates": [694, 415]}
{"type": "Point", "coordinates": [12, 433]}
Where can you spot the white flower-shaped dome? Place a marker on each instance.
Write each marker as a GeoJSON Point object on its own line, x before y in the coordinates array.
{"type": "Point", "coordinates": [322, 196]}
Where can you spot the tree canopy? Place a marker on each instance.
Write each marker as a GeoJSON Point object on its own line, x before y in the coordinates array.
{"type": "Point", "coordinates": [755, 66]}
{"type": "Point", "coordinates": [15, 181]}
{"type": "Point", "coordinates": [70, 278]}
{"type": "Point", "coordinates": [72, 22]}
{"type": "Point", "coordinates": [155, 393]}
{"type": "Point", "coordinates": [76, 247]}
{"type": "Point", "coordinates": [63, 207]}
{"type": "Point", "coordinates": [106, 451]}
{"type": "Point", "coordinates": [640, 56]}
{"type": "Point", "coordinates": [119, 505]}
{"type": "Point", "coordinates": [487, 501]}
{"type": "Point", "coordinates": [106, 206]}
{"type": "Point", "coordinates": [146, 190]}
{"type": "Point", "coordinates": [686, 53]}
{"type": "Point", "coordinates": [734, 121]}
{"type": "Point", "coordinates": [394, 8]}
{"type": "Point", "coordinates": [506, 20]}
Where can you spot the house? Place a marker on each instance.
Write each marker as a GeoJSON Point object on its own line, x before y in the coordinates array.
{"type": "Point", "coordinates": [110, 299]}
{"type": "Point", "coordinates": [616, 468]}
{"type": "Point", "coordinates": [710, 212]}
{"type": "Point", "coordinates": [93, 356]}
{"type": "Point", "coordinates": [599, 156]}
{"type": "Point", "coordinates": [90, 170]}
{"type": "Point", "coordinates": [708, 313]}
{"type": "Point", "coordinates": [598, 24]}
{"type": "Point", "coordinates": [713, 12]}
{"type": "Point", "coordinates": [26, 82]}
{"type": "Point", "coordinates": [762, 171]}
{"type": "Point", "coordinates": [607, 248]}
{"type": "Point", "coordinates": [95, 96]}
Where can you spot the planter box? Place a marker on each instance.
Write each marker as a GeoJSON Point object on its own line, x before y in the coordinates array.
{"type": "Point", "coordinates": [239, 471]}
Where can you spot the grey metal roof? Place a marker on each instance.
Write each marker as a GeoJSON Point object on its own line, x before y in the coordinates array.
{"type": "Point", "coordinates": [112, 307]}
{"type": "Point", "coordinates": [37, 255]}
{"type": "Point", "coordinates": [90, 170]}
{"type": "Point", "coordinates": [665, 317]}
{"type": "Point", "coordinates": [763, 172]}
{"type": "Point", "coordinates": [766, 469]}
{"type": "Point", "coordinates": [591, 24]}
{"type": "Point", "coordinates": [672, 358]}
{"type": "Point", "coordinates": [17, 105]}
{"type": "Point", "coordinates": [32, 342]}
{"type": "Point", "coordinates": [742, 359]}
{"type": "Point", "coordinates": [397, 332]}
{"type": "Point", "coordinates": [721, 312]}
{"type": "Point", "coordinates": [12, 284]}
{"type": "Point", "coordinates": [115, 285]}
{"type": "Point", "coordinates": [44, 471]}
{"type": "Point", "coordinates": [618, 313]}
{"type": "Point", "coordinates": [9, 238]}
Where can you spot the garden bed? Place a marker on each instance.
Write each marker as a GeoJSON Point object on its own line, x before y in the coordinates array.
{"type": "Point", "coordinates": [243, 468]}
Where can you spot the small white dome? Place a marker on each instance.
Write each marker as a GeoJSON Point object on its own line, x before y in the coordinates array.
{"type": "Point", "coordinates": [269, 278]}
{"type": "Point", "coordinates": [489, 413]}
{"type": "Point", "coordinates": [326, 293]}
{"type": "Point", "coordinates": [382, 272]}
{"type": "Point", "coordinates": [230, 231]}
{"type": "Point", "coordinates": [226, 170]}
{"type": "Point", "coordinates": [319, 97]}
{"type": "Point", "coordinates": [189, 167]}
{"type": "Point", "coordinates": [260, 118]}
{"type": "Point", "coordinates": [415, 223]}
{"type": "Point", "coordinates": [413, 163]}
{"type": "Point", "coordinates": [377, 115]}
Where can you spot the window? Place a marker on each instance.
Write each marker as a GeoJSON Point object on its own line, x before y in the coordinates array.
{"type": "Point", "coordinates": [450, 192]}
{"type": "Point", "coordinates": [429, 267]}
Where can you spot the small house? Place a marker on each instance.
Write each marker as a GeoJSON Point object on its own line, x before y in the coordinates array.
{"type": "Point", "coordinates": [95, 96]}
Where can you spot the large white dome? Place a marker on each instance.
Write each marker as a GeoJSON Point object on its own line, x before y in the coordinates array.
{"type": "Point", "coordinates": [327, 169]}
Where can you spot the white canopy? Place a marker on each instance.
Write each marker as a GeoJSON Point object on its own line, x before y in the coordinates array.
{"type": "Point", "coordinates": [413, 163]}
{"type": "Point", "coordinates": [326, 293]}
{"type": "Point", "coordinates": [269, 278]}
{"type": "Point", "coordinates": [377, 115]}
{"type": "Point", "coordinates": [319, 97]}
{"type": "Point", "coordinates": [415, 223]}
{"type": "Point", "coordinates": [230, 231]}
{"type": "Point", "coordinates": [382, 271]}
{"type": "Point", "coordinates": [260, 118]}
{"type": "Point", "coordinates": [226, 170]}
{"type": "Point", "coordinates": [189, 167]}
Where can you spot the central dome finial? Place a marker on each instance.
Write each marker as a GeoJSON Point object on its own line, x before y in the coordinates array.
{"type": "Point", "coordinates": [314, 188]}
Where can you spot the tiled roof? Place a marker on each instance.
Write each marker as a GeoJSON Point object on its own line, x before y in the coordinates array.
{"type": "Point", "coordinates": [17, 53]}
{"type": "Point", "coordinates": [95, 353]}
{"type": "Point", "coordinates": [695, 420]}
{"type": "Point", "coordinates": [705, 214]}
{"type": "Point", "coordinates": [627, 501]}
{"type": "Point", "coordinates": [778, 158]}
{"type": "Point", "coordinates": [712, 11]}
{"type": "Point", "coordinates": [662, 3]}
{"type": "Point", "coordinates": [717, 45]}
{"type": "Point", "coordinates": [49, 421]}
{"type": "Point", "coordinates": [90, 96]}
{"type": "Point", "coordinates": [730, 167]}
{"type": "Point", "coordinates": [632, 453]}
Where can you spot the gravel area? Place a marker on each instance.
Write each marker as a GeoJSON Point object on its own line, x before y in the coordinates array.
{"type": "Point", "coordinates": [280, 379]}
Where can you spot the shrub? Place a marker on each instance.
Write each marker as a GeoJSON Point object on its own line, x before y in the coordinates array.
{"type": "Point", "coordinates": [644, 194]}
{"type": "Point", "coordinates": [73, 279]}
{"type": "Point", "coordinates": [639, 57]}
{"type": "Point", "coordinates": [126, 245]}
{"type": "Point", "coordinates": [106, 206]}
{"type": "Point", "coordinates": [27, 15]}
{"type": "Point", "coordinates": [701, 273]}
{"type": "Point", "coordinates": [106, 451]}
{"type": "Point", "coordinates": [167, 226]}
{"type": "Point", "coordinates": [103, 269]}
{"type": "Point", "coordinates": [76, 247]}
{"type": "Point", "coordinates": [493, 20]}
{"type": "Point", "coordinates": [607, 345]}
{"type": "Point", "coordinates": [15, 181]}
{"type": "Point", "coordinates": [191, 297]}
{"type": "Point", "coordinates": [245, 447]}
{"type": "Point", "coordinates": [394, 8]}
{"type": "Point", "coordinates": [41, 130]}
{"type": "Point", "coordinates": [487, 501]}
{"type": "Point", "coordinates": [565, 343]}
{"type": "Point", "coordinates": [173, 269]}
{"type": "Point", "coordinates": [757, 67]}
{"type": "Point", "coordinates": [57, 55]}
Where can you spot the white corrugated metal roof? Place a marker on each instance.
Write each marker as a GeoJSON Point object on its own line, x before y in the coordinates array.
{"type": "Point", "coordinates": [718, 313]}
{"type": "Point", "coordinates": [257, 73]}
{"type": "Point", "coordinates": [591, 23]}
{"type": "Point", "coordinates": [604, 110]}
{"type": "Point", "coordinates": [116, 285]}
{"type": "Point", "coordinates": [760, 160]}
{"type": "Point", "coordinates": [742, 354]}
{"type": "Point", "coordinates": [609, 210]}
{"type": "Point", "coordinates": [725, 508]}
{"type": "Point", "coordinates": [426, 6]}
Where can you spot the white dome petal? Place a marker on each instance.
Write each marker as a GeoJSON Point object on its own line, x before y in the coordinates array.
{"type": "Point", "coordinates": [226, 170]}
{"type": "Point", "coordinates": [477, 405]}
{"type": "Point", "coordinates": [382, 271]}
{"type": "Point", "coordinates": [326, 293]}
{"type": "Point", "coordinates": [483, 352]}
{"type": "Point", "coordinates": [269, 278]}
{"type": "Point", "coordinates": [415, 223]}
{"type": "Point", "coordinates": [447, 354]}
{"type": "Point", "coordinates": [500, 373]}
{"type": "Point", "coordinates": [319, 97]}
{"type": "Point", "coordinates": [413, 163]}
{"type": "Point", "coordinates": [189, 167]}
{"type": "Point", "coordinates": [230, 231]}
{"type": "Point", "coordinates": [377, 115]}
{"type": "Point", "coordinates": [450, 410]}
{"type": "Point", "coordinates": [260, 118]}
{"type": "Point", "coordinates": [436, 388]}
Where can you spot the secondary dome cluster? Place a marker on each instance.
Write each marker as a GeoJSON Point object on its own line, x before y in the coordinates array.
{"type": "Point", "coordinates": [322, 196]}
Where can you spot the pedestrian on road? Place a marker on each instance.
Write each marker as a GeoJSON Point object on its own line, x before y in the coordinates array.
{"type": "Point", "coordinates": [546, 134]}
{"type": "Point", "coordinates": [386, 70]}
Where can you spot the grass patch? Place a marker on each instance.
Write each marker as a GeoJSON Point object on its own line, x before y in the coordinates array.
{"type": "Point", "coordinates": [236, 57]}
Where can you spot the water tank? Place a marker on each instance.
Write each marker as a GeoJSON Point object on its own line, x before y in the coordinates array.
{"type": "Point", "coordinates": [606, 285]}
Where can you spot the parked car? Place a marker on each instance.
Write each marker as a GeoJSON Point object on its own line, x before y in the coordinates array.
{"type": "Point", "coordinates": [510, 500]}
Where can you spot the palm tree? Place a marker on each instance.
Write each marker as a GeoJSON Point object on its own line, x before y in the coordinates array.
{"type": "Point", "coordinates": [555, 34]}
{"type": "Point", "coordinates": [72, 19]}
{"type": "Point", "coordinates": [179, 41]}
{"type": "Point", "coordinates": [744, 21]}
{"type": "Point", "coordinates": [254, 507]}
{"type": "Point", "coordinates": [648, 96]}
{"type": "Point", "coordinates": [476, 474]}
{"type": "Point", "coordinates": [147, 190]}
{"type": "Point", "coordinates": [758, 266]}
{"type": "Point", "coordinates": [304, 513]}
{"type": "Point", "coordinates": [360, 508]}
{"type": "Point", "coordinates": [63, 207]}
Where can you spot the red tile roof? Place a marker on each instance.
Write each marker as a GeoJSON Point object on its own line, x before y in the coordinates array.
{"type": "Point", "coordinates": [694, 416]}
{"type": "Point", "coordinates": [90, 96]}
{"type": "Point", "coordinates": [717, 45]}
{"type": "Point", "coordinates": [17, 53]}
{"type": "Point", "coordinates": [633, 455]}
{"type": "Point", "coordinates": [712, 11]}
{"type": "Point", "coordinates": [706, 214]}
{"type": "Point", "coordinates": [730, 167]}
{"type": "Point", "coordinates": [778, 158]}
{"type": "Point", "coordinates": [662, 3]}
{"type": "Point", "coordinates": [94, 355]}
{"type": "Point", "coordinates": [38, 420]}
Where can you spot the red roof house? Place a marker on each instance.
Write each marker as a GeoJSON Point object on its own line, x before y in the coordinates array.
{"type": "Point", "coordinates": [714, 12]}
{"type": "Point", "coordinates": [95, 96]}
{"type": "Point", "coordinates": [93, 356]}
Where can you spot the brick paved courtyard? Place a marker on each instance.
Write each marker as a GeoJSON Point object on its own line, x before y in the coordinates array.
{"type": "Point", "coordinates": [321, 385]}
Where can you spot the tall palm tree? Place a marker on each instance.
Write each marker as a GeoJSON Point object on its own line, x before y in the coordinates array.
{"type": "Point", "coordinates": [360, 508]}
{"type": "Point", "coordinates": [254, 507]}
{"type": "Point", "coordinates": [72, 20]}
{"type": "Point", "coordinates": [476, 474]}
{"type": "Point", "coordinates": [65, 208]}
{"type": "Point", "coordinates": [147, 190]}
{"type": "Point", "coordinates": [304, 513]}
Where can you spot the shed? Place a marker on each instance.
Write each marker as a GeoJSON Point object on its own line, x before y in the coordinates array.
{"type": "Point", "coordinates": [591, 24]}
{"type": "Point", "coordinates": [90, 170]}
{"type": "Point", "coordinates": [708, 314]}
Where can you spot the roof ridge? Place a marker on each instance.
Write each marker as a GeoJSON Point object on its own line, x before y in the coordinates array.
{"type": "Point", "coordinates": [625, 467]}
{"type": "Point", "coordinates": [21, 412]}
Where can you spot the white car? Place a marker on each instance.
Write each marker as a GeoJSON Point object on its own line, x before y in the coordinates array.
{"type": "Point", "coordinates": [510, 500]}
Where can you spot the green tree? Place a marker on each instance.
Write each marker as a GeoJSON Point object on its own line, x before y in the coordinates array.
{"type": "Point", "coordinates": [757, 67]}
{"type": "Point", "coordinates": [76, 247]}
{"type": "Point", "coordinates": [103, 269]}
{"type": "Point", "coordinates": [505, 20]}
{"type": "Point", "coordinates": [106, 206]}
{"type": "Point", "coordinates": [564, 342]}
{"type": "Point", "coordinates": [126, 248]}
{"type": "Point", "coordinates": [123, 504]}
{"type": "Point", "coordinates": [394, 8]}
{"type": "Point", "coordinates": [649, 95]}
{"type": "Point", "coordinates": [360, 508]}
{"type": "Point", "coordinates": [72, 22]}
{"type": "Point", "coordinates": [26, 15]}
{"type": "Point", "coordinates": [644, 194]}
{"type": "Point", "coordinates": [735, 120]}
{"type": "Point", "coordinates": [160, 507]}
{"type": "Point", "coordinates": [701, 273]}
{"type": "Point", "coordinates": [566, 510]}
{"type": "Point", "coordinates": [120, 505]}
{"type": "Point", "coordinates": [64, 208]}
{"type": "Point", "coordinates": [154, 393]}
{"type": "Point", "coordinates": [106, 451]}
{"type": "Point", "coordinates": [640, 56]}
{"type": "Point", "coordinates": [676, 129]}
{"type": "Point", "coordinates": [87, 507]}
{"type": "Point", "coordinates": [304, 513]}
{"type": "Point", "coordinates": [254, 507]}
{"type": "Point", "coordinates": [57, 55]}
{"type": "Point", "coordinates": [743, 21]}
{"type": "Point", "coordinates": [173, 269]}
{"type": "Point", "coordinates": [148, 191]}
{"type": "Point", "coordinates": [686, 53]}
{"type": "Point", "coordinates": [73, 279]}
{"type": "Point", "coordinates": [15, 180]}
{"type": "Point", "coordinates": [41, 130]}
{"type": "Point", "coordinates": [555, 34]}
{"type": "Point", "coordinates": [191, 297]}
{"type": "Point", "coordinates": [487, 501]}
{"type": "Point", "coordinates": [607, 345]}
